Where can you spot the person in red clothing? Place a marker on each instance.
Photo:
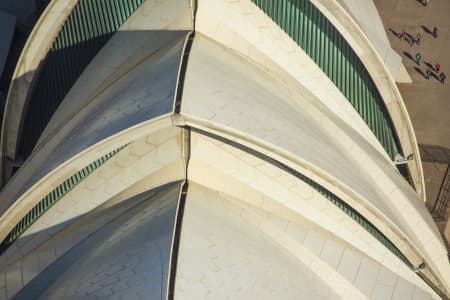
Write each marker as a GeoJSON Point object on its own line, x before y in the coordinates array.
{"type": "Point", "coordinates": [437, 67]}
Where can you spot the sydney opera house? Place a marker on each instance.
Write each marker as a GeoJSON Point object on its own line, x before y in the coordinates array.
{"type": "Point", "coordinates": [212, 149]}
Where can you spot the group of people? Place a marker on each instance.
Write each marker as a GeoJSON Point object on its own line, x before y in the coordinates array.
{"type": "Point", "coordinates": [437, 67]}
{"type": "Point", "coordinates": [414, 39]}
{"type": "Point", "coordinates": [411, 39]}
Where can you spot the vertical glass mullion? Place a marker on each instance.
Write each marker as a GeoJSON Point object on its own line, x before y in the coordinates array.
{"type": "Point", "coordinates": [104, 16]}
{"type": "Point", "coordinates": [341, 68]}
{"type": "Point", "coordinates": [313, 34]}
{"type": "Point", "coordinates": [352, 80]}
{"type": "Point", "coordinates": [100, 15]}
{"type": "Point", "coordinates": [318, 37]}
{"type": "Point", "coordinates": [339, 63]}
{"type": "Point", "coordinates": [76, 25]}
{"type": "Point", "coordinates": [83, 27]}
{"type": "Point", "coordinates": [310, 30]}
{"type": "Point", "coordinates": [281, 14]}
{"type": "Point", "coordinates": [305, 26]}
{"type": "Point", "coordinates": [301, 24]}
{"type": "Point", "coordinates": [331, 65]}
{"type": "Point", "coordinates": [377, 123]}
{"type": "Point", "coordinates": [365, 96]}
{"type": "Point", "coordinates": [294, 22]}
{"type": "Point", "coordinates": [369, 107]}
{"type": "Point", "coordinates": [361, 93]}
{"type": "Point", "coordinates": [324, 43]}
{"type": "Point", "coordinates": [116, 8]}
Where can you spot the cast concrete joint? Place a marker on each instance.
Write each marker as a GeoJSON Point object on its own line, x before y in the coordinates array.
{"type": "Point", "coordinates": [367, 209]}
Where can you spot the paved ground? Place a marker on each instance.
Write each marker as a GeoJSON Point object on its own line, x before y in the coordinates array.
{"type": "Point", "coordinates": [428, 101]}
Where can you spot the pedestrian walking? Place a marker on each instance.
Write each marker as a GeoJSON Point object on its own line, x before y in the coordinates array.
{"type": "Point", "coordinates": [418, 58]}
{"type": "Point", "coordinates": [402, 35]}
{"type": "Point", "coordinates": [437, 67]}
{"type": "Point", "coordinates": [442, 77]}
{"type": "Point", "coordinates": [418, 38]}
{"type": "Point", "coordinates": [435, 32]}
{"type": "Point", "coordinates": [428, 73]}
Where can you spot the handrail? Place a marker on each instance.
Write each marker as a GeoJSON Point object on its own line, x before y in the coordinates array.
{"type": "Point", "coordinates": [443, 197]}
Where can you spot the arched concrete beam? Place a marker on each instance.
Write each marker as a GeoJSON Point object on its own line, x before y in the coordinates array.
{"type": "Point", "coordinates": [374, 64]}
{"type": "Point", "coordinates": [140, 93]}
{"type": "Point", "coordinates": [214, 224]}
{"type": "Point", "coordinates": [35, 50]}
{"type": "Point", "coordinates": [152, 15]}
{"type": "Point", "coordinates": [226, 90]}
{"type": "Point", "coordinates": [242, 26]}
{"type": "Point", "coordinates": [15, 209]}
{"type": "Point", "coordinates": [231, 170]}
{"type": "Point", "coordinates": [415, 251]}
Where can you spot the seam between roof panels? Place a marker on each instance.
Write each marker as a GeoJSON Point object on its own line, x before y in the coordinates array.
{"type": "Point", "coordinates": [341, 204]}
{"type": "Point", "coordinates": [176, 237]}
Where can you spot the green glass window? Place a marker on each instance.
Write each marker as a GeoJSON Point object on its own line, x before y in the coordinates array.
{"type": "Point", "coordinates": [312, 31]}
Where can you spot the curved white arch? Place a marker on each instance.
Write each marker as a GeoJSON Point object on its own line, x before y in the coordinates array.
{"type": "Point", "coordinates": [404, 242]}
{"type": "Point", "coordinates": [34, 51]}
{"type": "Point", "coordinates": [227, 92]}
{"type": "Point", "coordinates": [216, 220]}
{"type": "Point", "coordinates": [15, 209]}
{"type": "Point", "coordinates": [231, 168]}
{"type": "Point", "coordinates": [374, 64]}
{"type": "Point", "coordinates": [238, 122]}
{"type": "Point", "coordinates": [243, 27]}
{"type": "Point", "coordinates": [144, 92]}
{"type": "Point", "coordinates": [152, 15]}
